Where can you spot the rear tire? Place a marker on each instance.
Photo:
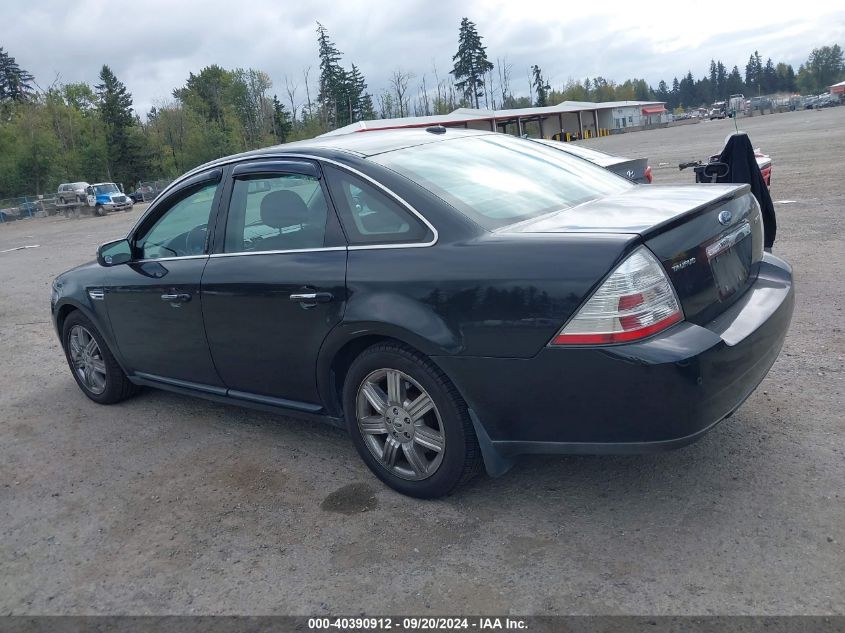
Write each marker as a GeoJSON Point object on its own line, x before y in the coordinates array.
{"type": "Point", "coordinates": [91, 362]}
{"type": "Point", "coordinates": [420, 447]}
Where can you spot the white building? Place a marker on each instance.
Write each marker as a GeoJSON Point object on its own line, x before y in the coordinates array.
{"type": "Point", "coordinates": [566, 120]}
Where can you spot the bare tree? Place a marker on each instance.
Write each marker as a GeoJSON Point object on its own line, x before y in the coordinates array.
{"type": "Point", "coordinates": [423, 106]}
{"type": "Point", "coordinates": [399, 83]}
{"type": "Point", "coordinates": [385, 105]}
{"type": "Point", "coordinates": [291, 88]}
{"type": "Point", "coordinates": [504, 79]}
{"type": "Point", "coordinates": [305, 72]}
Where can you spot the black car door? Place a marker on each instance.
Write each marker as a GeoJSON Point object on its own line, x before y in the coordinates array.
{"type": "Point", "coordinates": [276, 283]}
{"type": "Point", "coordinates": [154, 302]}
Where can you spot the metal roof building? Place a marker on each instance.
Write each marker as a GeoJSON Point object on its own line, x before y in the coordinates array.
{"type": "Point", "coordinates": [569, 119]}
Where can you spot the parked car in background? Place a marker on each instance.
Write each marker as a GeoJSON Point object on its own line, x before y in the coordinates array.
{"type": "Point", "coordinates": [9, 214]}
{"type": "Point", "coordinates": [827, 100]}
{"type": "Point", "coordinates": [28, 209]}
{"type": "Point", "coordinates": [144, 193]}
{"type": "Point", "coordinates": [451, 298]}
{"type": "Point", "coordinates": [764, 162]}
{"type": "Point", "coordinates": [72, 192]}
{"type": "Point", "coordinates": [107, 196]}
{"type": "Point", "coordinates": [633, 169]}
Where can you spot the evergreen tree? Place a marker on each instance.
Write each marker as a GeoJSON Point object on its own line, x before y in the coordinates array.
{"type": "Point", "coordinates": [541, 87]}
{"type": "Point", "coordinates": [715, 93]}
{"type": "Point", "coordinates": [281, 121]}
{"type": "Point", "coordinates": [356, 86]}
{"type": "Point", "coordinates": [734, 83]}
{"type": "Point", "coordinates": [769, 78]}
{"type": "Point", "coordinates": [471, 62]}
{"type": "Point", "coordinates": [754, 74]}
{"type": "Point", "coordinates": [332, 79]}
{"type": "Point", "coordinates": [785, 76]}
{"type": "Point", "coordinates": [722, 81]}
{"type": "Point", "coordinates": [15, 82]}
{"type": "Point", "coordinates": [115, 109]}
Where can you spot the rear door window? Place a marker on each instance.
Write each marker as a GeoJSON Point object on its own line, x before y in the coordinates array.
{"type": "Point", "coordinates": [370, 216]}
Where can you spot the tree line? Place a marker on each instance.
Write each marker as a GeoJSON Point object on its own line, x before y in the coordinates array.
{"type": "Point", "coordinates": [75, 131]}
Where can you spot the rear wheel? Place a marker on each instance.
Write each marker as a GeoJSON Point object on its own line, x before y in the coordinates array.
{"type": "Point", "coordinates": [409, 423]}
{"type": "Point", "coordinates": [92, 364]}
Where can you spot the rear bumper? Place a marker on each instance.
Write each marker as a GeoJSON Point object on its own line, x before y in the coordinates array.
{"type": "Point", "coordinates": [654, 395]}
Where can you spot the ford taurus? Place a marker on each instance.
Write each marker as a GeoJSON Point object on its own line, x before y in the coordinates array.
{"type": "Point", "coordinates": [452, 298]}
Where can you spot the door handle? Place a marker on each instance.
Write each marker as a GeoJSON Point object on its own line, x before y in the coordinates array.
{"type": "Point", "coordinates": [312, 297]}
{"type": "Point", "coordinates": [176, 298]}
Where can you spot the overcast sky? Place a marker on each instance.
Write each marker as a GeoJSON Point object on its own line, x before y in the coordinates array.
{"type": "Point", "coordinates": [152, 45]}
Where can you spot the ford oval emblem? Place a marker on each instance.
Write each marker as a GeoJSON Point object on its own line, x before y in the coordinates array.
{"type": "Point", "coordinates": [725, 217]}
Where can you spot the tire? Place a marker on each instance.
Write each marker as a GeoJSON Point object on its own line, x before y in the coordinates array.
{"type": "Point", "coordinates": [99, 211]}
{"type": "Point", "coordinates": [418, 470]}
{"type": "Point", "coordinates": [115, 384]}
{"type": "Point", "coordinates": [61, 200]}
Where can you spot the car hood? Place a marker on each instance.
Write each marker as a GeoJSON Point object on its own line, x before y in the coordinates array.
{"type": "Point", "coordinates": [638, 210]}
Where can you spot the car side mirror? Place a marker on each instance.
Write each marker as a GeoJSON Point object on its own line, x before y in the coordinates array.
{"type": "Point", "coordinates": [114, 253]}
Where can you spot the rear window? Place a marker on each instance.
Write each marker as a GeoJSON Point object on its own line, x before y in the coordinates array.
{"type": "Point", "coordinates": [499, 180]}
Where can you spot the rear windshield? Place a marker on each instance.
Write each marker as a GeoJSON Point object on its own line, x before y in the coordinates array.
{"type": "Point", "coordinates": [590, 154]}
{"type": "Point", "coordinates": [499, 180]}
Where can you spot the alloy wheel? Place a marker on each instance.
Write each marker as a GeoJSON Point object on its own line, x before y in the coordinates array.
{"type": "Point", "coordinates": [87, 359]}
{"type": "Point", "coordinates": [400, 424]}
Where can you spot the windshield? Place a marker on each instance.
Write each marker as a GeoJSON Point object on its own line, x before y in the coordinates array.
{"type": "Point", "coordinates": [499, 180]}
{"type": "Point", "coordinates": [107, 188]}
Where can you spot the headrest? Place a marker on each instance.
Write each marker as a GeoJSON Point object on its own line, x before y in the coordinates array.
{"type": "Point", "coordinates": [283, 208]}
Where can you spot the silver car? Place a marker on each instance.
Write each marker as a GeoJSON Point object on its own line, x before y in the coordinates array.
{"type": "Point", "coordinates": [72, 192]}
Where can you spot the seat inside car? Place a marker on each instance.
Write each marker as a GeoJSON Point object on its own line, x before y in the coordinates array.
{"type": "Point", "coordinates": [286, 210]}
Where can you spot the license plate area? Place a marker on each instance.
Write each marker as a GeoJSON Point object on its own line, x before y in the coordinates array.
{"type": "Point", "coordinates": [730, 260]}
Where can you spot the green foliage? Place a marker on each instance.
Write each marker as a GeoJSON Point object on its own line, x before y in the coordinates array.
{"type": "Point", "coordinates": [15, 82]}
{"type": "Point", "coordinates": [823, 68]}
{"type": "Point", "coordinates": [124, 148]}
{"type": "Point", "coordinates": [541, 87]}
{"type": "Point", "coordinates": [471, 62]}
{"type": "Point", "coordinates": [76, 132]}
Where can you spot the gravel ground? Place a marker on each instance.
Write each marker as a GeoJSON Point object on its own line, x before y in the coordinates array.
{"type": "Point", "coordinates": [170, 505]}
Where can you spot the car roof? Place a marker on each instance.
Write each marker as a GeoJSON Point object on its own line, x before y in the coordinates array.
{"type": "Point", "coordinates": [361, 144]}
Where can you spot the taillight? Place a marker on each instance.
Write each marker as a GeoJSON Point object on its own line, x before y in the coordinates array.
{"type": "Point", "coordinates": [648, 175]}
{"type": "Point", "coordinates": [635, 301]}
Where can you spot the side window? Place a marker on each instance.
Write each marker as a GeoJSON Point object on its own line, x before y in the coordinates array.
{"type": "Point", "coordinates": [276, 212]}
{"type": "Point", "coordinates": [369, 216]}
{"type": "Point", "coordinates": [182, 229]}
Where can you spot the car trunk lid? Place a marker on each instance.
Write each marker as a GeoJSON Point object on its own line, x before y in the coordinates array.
{"type": "Point", "coordinates": [709, 238]}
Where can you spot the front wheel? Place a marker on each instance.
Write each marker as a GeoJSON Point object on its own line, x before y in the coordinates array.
{"type": "Point", "coordinates": [91, 362]}
{"type": "Point", "coordinates": [409, 423]}
{"type": "Point", "coordinates": [99, 211]}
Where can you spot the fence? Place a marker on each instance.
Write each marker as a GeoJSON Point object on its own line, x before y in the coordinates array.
{"type": "Point", "coordinates": [42, 206]}
{"type": "Point", "coordinates": [27, 207]}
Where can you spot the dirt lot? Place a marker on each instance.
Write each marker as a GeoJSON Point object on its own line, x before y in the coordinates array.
{"type": "Point", "coordinates": [166, 504]}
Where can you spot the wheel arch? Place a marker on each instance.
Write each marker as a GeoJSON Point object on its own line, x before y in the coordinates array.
{"type": "Point", "coordinates": [346, 343]}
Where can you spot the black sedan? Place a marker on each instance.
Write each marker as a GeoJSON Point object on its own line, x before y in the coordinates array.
{"type": "Point", "coordinates": [452, 298]}
{"type": "Point", "coordinates": [634, 169]}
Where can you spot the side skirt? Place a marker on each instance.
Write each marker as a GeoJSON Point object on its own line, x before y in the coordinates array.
{"type": "Point", "coordinates": [293, 408]}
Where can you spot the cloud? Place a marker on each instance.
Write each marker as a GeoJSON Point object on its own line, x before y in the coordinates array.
{"type": "Point", "coordinates": [152, 46]}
